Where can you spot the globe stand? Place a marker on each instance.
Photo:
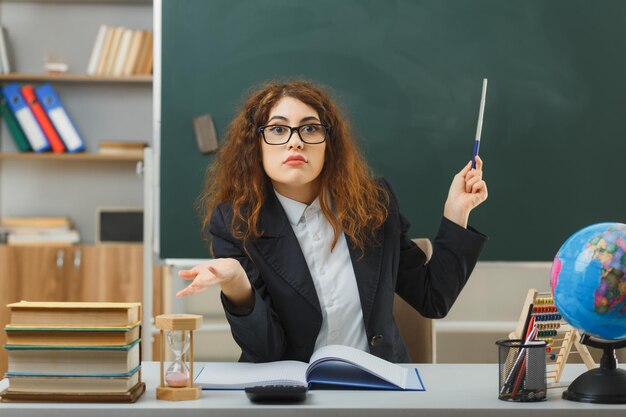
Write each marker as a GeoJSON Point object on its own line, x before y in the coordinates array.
{"type": "Point", "coordinates": [604, 385]}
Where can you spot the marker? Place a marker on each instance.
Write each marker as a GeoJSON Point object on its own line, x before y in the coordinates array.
{"type": "Point", "coordinates": [479, 128]}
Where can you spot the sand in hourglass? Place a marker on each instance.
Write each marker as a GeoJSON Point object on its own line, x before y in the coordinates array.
{"type": "Point", "coordinates": [176, 379]}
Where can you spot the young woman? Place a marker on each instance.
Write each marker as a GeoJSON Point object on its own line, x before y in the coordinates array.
{"type": "Point", "coordinates": [309, 247]}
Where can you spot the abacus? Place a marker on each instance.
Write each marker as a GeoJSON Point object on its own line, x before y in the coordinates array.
{"type": "Point", "coordinates": [540, 312]}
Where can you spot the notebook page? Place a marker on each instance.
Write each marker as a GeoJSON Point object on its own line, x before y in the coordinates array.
{"type": "Point", "coordinates": [238, 375]}
{"type": "Point", "coordinates": [388, 371]}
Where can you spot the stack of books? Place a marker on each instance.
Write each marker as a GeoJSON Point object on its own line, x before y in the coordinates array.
{"type": "Point", "coordinates": [119, 51]}
{"type": "Point", "coordinates": [74, 352]}
{"type": "Point", "coordinates": [38, 120]}
{"type": "Point", "coordinates": [55, 231]}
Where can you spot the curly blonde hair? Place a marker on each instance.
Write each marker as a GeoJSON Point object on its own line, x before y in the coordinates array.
{"type": "Point", "coordinates": [237, 177]}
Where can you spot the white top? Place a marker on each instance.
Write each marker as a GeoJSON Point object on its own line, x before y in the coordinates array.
{"type": "Point", "coordinates": [454, 390]}
{"type": "Point", "coordinates": [333, 275]}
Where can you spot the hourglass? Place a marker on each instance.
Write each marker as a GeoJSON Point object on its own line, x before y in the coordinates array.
{"type": "Point", "coordinates": [177, 334]}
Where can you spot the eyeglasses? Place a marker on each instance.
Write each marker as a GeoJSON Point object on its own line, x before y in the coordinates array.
{"type": "Point", "coordinates": [280, 134]}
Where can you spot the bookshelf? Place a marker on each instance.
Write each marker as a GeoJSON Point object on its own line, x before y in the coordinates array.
{"type": "Point", "coordinates": [117, 108]}
{"type": "Point", "coordinates": [103, 108]}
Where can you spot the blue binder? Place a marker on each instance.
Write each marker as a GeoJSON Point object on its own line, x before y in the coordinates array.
{"type": "Point", "coordinates": [25, 118]}
{"type": "Point", "coordinates": [60, 119]}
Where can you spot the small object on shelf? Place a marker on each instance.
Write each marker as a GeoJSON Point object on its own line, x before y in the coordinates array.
{"type": "Point", "coordinates": [36, 222]}
{"type": "Point", "coordinates": [39, 231]}
{"type": "Point", "coordinates": [176, 384]}
{"type": "Point", "coordinates": [55, 65]}
{"type": "Point", "coordinates": [67, 238]}
{"type": "Point", "coordinates": [125, 148]}
{"type": "Point", "coordinates": [119, 225]}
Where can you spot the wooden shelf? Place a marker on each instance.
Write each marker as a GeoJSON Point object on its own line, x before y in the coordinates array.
{"type": "Point", "coordinates": [80, 78]}
{"type": "Point", "coordinates": [46, 156]}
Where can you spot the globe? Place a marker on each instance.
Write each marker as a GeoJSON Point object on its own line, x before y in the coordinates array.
{"type": "Point", "coordinates": [588, 280]}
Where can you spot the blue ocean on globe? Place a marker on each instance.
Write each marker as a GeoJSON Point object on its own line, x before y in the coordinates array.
{"type": "Point", "coordinates": [588, 280]}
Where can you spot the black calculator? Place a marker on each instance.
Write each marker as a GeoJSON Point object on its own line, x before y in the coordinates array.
{"type": "Point", "coordinates": [277, 393]}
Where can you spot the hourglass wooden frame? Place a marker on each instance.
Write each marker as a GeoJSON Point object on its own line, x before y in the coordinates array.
{"type": "Point", "coordinates": [178, 322]}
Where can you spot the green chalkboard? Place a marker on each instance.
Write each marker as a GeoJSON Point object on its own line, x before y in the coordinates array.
{"type": "Point", "coordinates": [408, 73]}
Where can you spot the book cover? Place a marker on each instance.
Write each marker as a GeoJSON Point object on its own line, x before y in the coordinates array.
{"type": "Point", "coordinates": [146, 66]}
{"type": "Point", "coordinates": [144, 48]}
{"type": "Point", "coordinates": [115, 47]}
{"type": "Point", "coordinates": [60, 118]}
{"type": "Point", "coordinates": [14, 127]}
{"type": "Point", "coordinates": [330, 367]}
{"type": "Point", "coordinates": [122, 55]}
{"type": "Point", "coordinates": [25, 118]}
{"type": "Point", "coordinates": [128, 149]}
{"type": "Point", "coordinates": [28, 92]}
{"type": "Point", "coordinates": [133, 53]}
{"type": "Point", "coordinates": [37, 230]}
{"type": "Point", "coordinates": [76, 336]}
{"type": "Point", "coordinates": [68, 237]}
{"type": "Point", "coordinates": [96, 52]}
{"type": "Point", "coordinates": [110, 144]}
{"type": "Point", "coordinates": [73, 384]}
{"type": "Point", "coordinates": [5, 66]}
{"type": "Point", "coordinates": [68, 314]}
{"type": "Point", "coordinates": [35, 222]}
{"type": "Point", "coordinates": [106, 50]}
{"type": "Point", "coordinates": [104, 397]}
{"type": "Point", "coordinates": [102, 361]}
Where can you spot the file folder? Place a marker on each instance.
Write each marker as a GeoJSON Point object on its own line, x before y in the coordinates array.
{"type": "Point", "coordinates": [42, 118]}
{"type": "Point", "coordinates": [59, 117]}
{"type": "Point", "coordinates": [26, 118]}
{"type": "Point", "coordinates": [14, 127]}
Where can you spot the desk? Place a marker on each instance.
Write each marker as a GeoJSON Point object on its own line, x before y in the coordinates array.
{"type": "Point", "coordinates": [451, 390]}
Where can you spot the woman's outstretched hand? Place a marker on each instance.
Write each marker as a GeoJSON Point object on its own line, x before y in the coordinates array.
{"type": "Point", "coordinates": [467, 191]}
{"type": "Point", "coordinates": [227, 273]}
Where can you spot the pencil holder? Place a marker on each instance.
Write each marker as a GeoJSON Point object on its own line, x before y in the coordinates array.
{"type": "Point", "coordinates": [522, 370]}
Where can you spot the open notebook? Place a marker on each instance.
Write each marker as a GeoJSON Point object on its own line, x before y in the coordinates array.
{"type": "Point", "coordinates": [334, 365]}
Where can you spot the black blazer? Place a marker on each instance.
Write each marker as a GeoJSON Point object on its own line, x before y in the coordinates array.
{"type": "Point", "coordinates": [286, 317]}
